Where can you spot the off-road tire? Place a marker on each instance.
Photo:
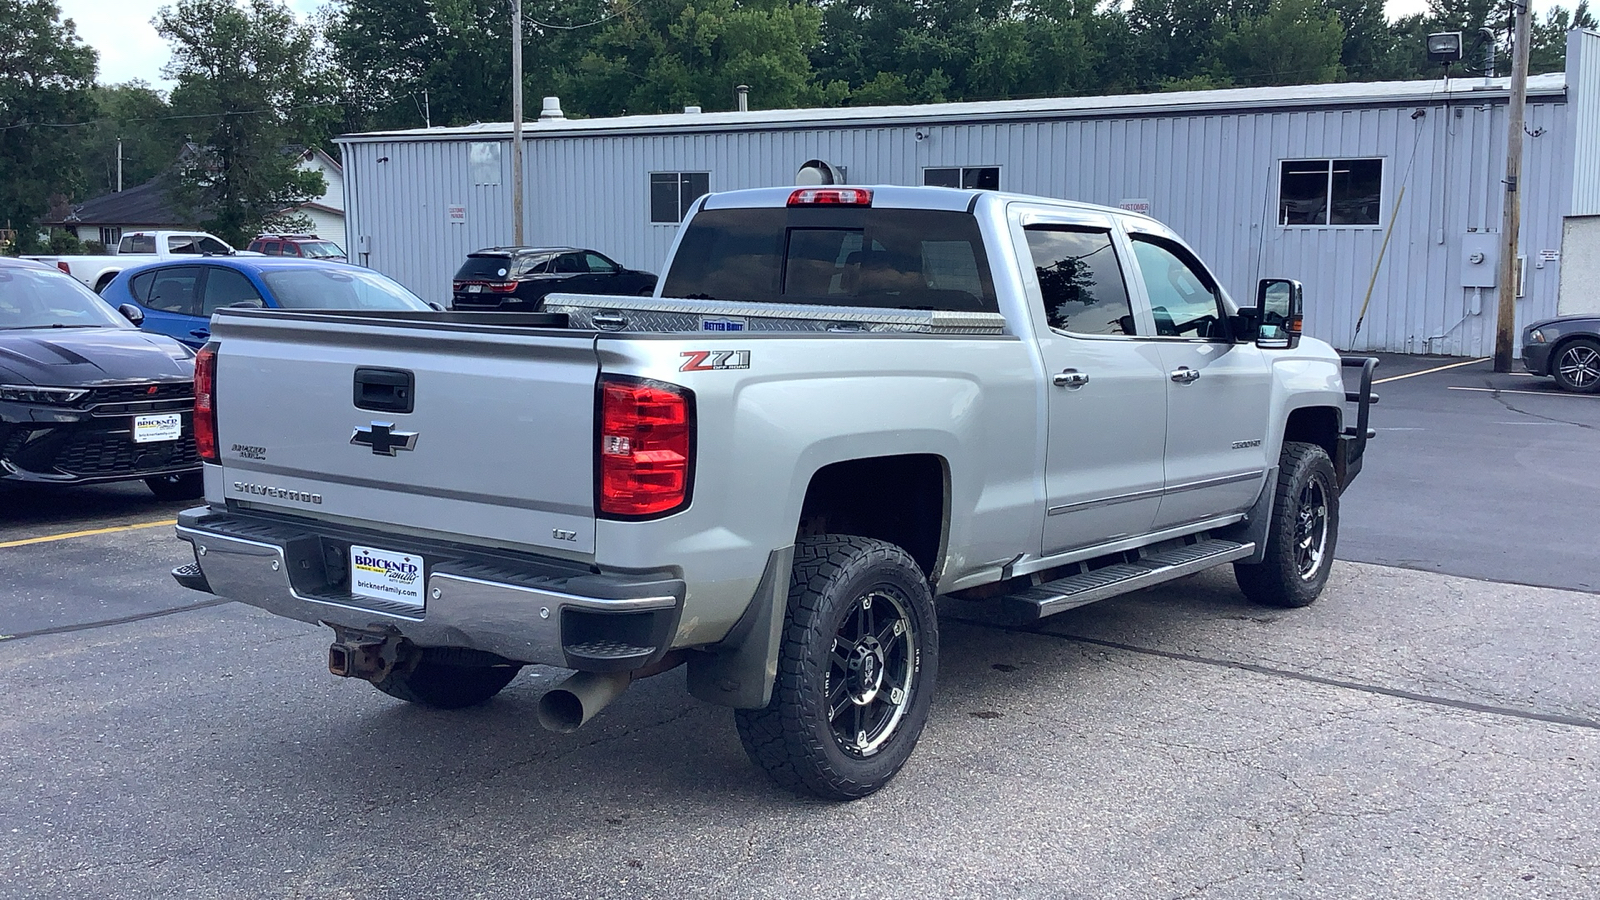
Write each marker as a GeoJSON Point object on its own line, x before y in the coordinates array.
{"type": "Point", "coordinates": [447, 678]}
{"type": "Point", "coordinates": [1580, 358]}
{"type": "Point", "coordinates": [188, 486]}
{"type": "Point", "coordinates": [1306, 480]}
{"type": "Point", "coordinates": [794, 738]}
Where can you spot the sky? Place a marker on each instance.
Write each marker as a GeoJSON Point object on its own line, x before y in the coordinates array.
{"type": "Point", "coordinates": [128, 44]}
{"type": "Point", "coordinates": [130, 48]}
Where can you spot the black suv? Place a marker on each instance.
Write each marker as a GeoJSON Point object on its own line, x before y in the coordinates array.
{"type": "Point", "coordinates": [518, 278]}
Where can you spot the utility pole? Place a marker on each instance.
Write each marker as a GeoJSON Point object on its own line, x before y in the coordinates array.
{"type": "Point", "coordinates": [516, 122]}
{"type": "Point", "coordinates": [1506, 315]}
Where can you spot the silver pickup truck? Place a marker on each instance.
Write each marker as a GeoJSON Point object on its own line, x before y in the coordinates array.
{"type": "Point", "coordinates": [844, 402]}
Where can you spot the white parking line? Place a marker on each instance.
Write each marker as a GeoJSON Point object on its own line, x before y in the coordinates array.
{"type": "Point", "coordinates": [1455, 365]}
{"type": "Point", "coordinates": [1529, 393]}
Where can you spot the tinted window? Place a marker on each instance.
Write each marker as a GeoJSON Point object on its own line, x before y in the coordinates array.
{"type": "Point", "coordinates": [672, 193]}
{"type": "Point", "coordinates": [338, 288]}
{"type": "Point", "coordinates": [212, 246]}
{"type": "Point", "coordinates": [226, 287]}
{"type": "Point", "coordinates": [886, 258]}
{"type": "Point", "coordinates": [138, 243]}
{"type": "Point", "coordinates": [139, 286]}
{"type": "Point", "coordinates": [271, 248]}
{"type": "Point", "coordinates": [175, 290]}
{"type": "Point", "coordinates": [183, 244]}
{"type": "Point", "coordinates": [1184, 300]}
{"type": "Point", "coordinates": [1080, 281]}
{"type": "Point", "coordinates": [484, 268]}
{"type": "Point", "coordinates": [569, 263]}
{"type": "Point", "coordinates": [40, 298]}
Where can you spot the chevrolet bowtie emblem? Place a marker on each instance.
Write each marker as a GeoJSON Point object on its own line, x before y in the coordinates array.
{"type": "Point", "coordinates": [383, 439]}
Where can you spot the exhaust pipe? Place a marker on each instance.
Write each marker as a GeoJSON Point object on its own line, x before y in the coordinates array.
{"type": "Point", "coordinates": [567, 706]}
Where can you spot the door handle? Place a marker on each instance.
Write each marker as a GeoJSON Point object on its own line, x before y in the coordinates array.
{"type": "Point", "coordinates": [1070, 378]}
{"type": "Point", "coordinates": [1185, 375]}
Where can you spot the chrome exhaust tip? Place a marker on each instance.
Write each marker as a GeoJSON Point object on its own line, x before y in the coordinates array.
{"type": "Point", "coordinates": [567, 706]}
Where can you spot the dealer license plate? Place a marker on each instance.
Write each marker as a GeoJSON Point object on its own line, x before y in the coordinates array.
{"type": "Point", "coordinates": [386, 575]}
{"type": "Point", "coordinates": [151, 429]}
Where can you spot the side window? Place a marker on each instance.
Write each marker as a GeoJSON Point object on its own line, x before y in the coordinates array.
{"type": "Point", "coordinates": [290, 249]}
{"type": "Point", "coordinates": [1080, 281]}
{"type": "Point", "coordinates": [568, 263]}
{"type": "Point", "coordinates": [139, 286]}
{"type": "Point", "coordinates": [225, 287]}
{"type": "Point", "coordinates": [599, 265]}
{"type": "Point", "coordinates": [174, 290]}
{"type": "Point", "coordinates": [271, 248]}
{"type": "Point", "coordinates": [138, 243]}
{"type": "Point", "coordinates": [212, 246]}
{"type": "Point", "coordinates": [181, 244]}
{"type": "Point", "coordinates": [1183, 298]}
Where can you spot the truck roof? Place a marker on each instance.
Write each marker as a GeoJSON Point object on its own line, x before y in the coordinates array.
{"type": "Point", "coordinates": [900, 196]}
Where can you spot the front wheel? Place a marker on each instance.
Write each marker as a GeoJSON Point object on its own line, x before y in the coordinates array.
{"type": "Point", "coordinates": [856, 670]}
{"type": "Point", "coordinates": [447, 678]}
{"type": "Point", "coordinates": [1577, 366]}
{"type": "Point", "coordinates": [1302, 534]}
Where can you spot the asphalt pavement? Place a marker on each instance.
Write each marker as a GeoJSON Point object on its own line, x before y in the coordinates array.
{"type": "Point", "coordinates": [1413, 734]}
{"type": "Point", "coordinates": [1491, 476]}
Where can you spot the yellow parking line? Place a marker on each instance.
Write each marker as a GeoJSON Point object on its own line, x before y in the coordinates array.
{"type": "Point", "coordinates": [93, 531]}
{"type": "Point", "coordinates": [1429, 371]}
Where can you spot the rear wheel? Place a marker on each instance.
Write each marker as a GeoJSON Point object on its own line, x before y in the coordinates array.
{"type": "Point", "coordinates": [1577, 366]}
{"type": "Point", "coordinates": [856, 670]}
{"type": "Point", "coordinates": [1303, 532]}
{"type": "Point", "coordinates": [187, 486]}
{"type": "Point", "coordinates": [447, 678]}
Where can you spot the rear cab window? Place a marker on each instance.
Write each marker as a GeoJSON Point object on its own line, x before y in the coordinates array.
{"type": "Point", "coordinates": [836, 256]}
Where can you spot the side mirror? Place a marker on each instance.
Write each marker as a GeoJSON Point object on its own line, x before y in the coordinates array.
{"type": "Point", "coordinates": [1280, 304]}
{"type": "Point", "coordinates": [436, 307]}
{"type": "Point", "coordinates": [132, 313]}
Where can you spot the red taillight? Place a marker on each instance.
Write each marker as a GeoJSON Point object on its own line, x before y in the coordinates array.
{"type": "Point", "coordinates": [646, 447]}
{"type": "Point", "coordinates": [64, 267]}
{"type": "Point", "coordinates": [831, 197]}
{"type": "Point", "coordinates": [502, 287]}
{"type": "Point", "coordinates": [205, 406]}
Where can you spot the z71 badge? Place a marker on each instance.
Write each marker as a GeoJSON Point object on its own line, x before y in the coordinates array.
{"type": "Point", "coordinates": [711, 360]}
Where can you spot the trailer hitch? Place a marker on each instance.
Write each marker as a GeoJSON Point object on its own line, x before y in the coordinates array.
{"type": "Point", "coordinates": [362, 654]}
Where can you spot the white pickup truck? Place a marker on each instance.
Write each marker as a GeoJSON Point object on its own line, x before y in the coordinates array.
{"type": "Point", "coordinates": [139, 247]}
{"type": "Point", "coordinates": [844, 403]}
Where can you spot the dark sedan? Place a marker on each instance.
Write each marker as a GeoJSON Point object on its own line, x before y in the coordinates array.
{"type": "Point", "coordinates": [518, 278]}
{"type": "Point", "coordinates": [1566, 349]}
{"type": "Point", "coordinates": [85, 397]}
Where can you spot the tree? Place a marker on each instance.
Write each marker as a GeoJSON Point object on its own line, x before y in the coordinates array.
{"type": "Point", "coordinates": [246, 74]}
{"type": "Point", "coordinates": [45, 76]}
{"type": "Point", "coordinates": [151, 138]}
{"type": "Point", "coordinates": [1292, 42]}
{"type": "Point", "coordinates": [1548, 50]}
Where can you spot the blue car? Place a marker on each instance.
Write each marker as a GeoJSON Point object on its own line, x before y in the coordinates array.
{"type": "Point", "coordinates": [177, 298]}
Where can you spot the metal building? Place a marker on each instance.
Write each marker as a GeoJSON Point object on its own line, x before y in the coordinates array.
{"type": "Point", "coordinates": [1303, 182]}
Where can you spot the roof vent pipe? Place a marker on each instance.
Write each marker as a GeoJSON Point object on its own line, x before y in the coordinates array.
{"type": "Point", "coordinates": [551, 110]}
{"type": "Point", "coordinates": [691, 110]}
{"type": "Point", "coordinates": [743, 91]}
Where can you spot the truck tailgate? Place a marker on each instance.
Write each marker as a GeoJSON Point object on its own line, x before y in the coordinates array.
{"type": "Point", "coordinates": [497, 444]}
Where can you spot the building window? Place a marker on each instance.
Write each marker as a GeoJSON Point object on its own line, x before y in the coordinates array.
{"type": "Point", "coordinates": [972, 178]}
{"type": "Point", "coordinates": [110, 235]}
{"type": "Point", "coordinates": [483, 158]}
{"type": "Point", "coordinates": [672, 193]}
{"type": "Point", "coordinates": [1330, 192]}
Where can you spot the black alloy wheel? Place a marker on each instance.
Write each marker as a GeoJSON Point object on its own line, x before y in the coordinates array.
{"type": "Point", "coordinates": [856, 670]}
{"type": "Point", "coordinates": [1303, 532]}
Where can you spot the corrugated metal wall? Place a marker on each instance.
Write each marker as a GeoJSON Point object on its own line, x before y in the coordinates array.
{"type": "Point", "coordinates": [1583, 89]}
{"type": "Point", "coordinates": [1211, 177]}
